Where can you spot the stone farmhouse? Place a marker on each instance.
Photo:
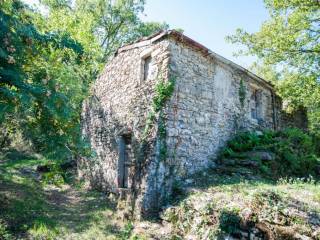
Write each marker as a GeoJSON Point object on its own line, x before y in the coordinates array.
{"type": "Point", "coordinates": [162, 109]}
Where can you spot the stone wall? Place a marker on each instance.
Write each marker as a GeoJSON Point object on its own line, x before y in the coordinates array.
{"type": "Point", "coordinates": [296, 118]}
{"type": "Point", "coordinates": [211, 101]}
{"type": "Point", "coordinates": [206, 108]}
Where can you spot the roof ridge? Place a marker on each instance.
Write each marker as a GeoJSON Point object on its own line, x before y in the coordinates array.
{"type": "Point", "coordinates": [185, 39]}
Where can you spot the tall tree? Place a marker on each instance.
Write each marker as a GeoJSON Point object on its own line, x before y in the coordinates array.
{"type": "Point", "coordinates": [101, 25]}
{"type": "Point", "coordinates": [48, 61]}
{"type": "Point", "coordinates": [38, 88]}
{"type": "Point", "coordinates": [288, 49]}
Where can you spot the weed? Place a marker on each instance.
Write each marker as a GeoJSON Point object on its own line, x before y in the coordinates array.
{"type": "Point", "coordinates": [294, 151]}
{"type": "Point", "coordinates": [229, 220]}
{"type": "Point", "coordinates": [40, 230]}
{"type": "Point", "coordinates": [164, 91]}
{"type": "Point", "coordinates": [242, 93]}
{"type": "Point", "coordinates": [126, 232]}
{"type": "Point", "coordinates": [4, 233]}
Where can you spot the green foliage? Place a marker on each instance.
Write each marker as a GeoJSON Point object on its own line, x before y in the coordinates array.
{"type": "Point", "coordinates": [54, 178]}
{"type": "Point", "coordinates": [31, 210]}
{"type": "Point", "coordinates": [101, 25]}
{"type": "Point", "coordinates": [126, 232]}
{"type": "Point", "coordinates": [41, 230]}
{"type": "Point", "coordinates": [229, 220]}
{"type": "Point", "coordinates": [316, 143]}
{"type": "Point", "coordinates": [40, 90]}
{"type": "Point", "coordinates": [164, 91]}
{"type": "Point", "coordinates": [55, 175]}
{"type": "Point", "coordinates": [4, 233]}
{"type": "Point", "coordinates": [294, 150]}
{"type": "Point", "coordinates": [243, 141]}
{"type": "Point", "coordinates": [48, 62]}
{"type": "Point", "coordinates": [287, 46]}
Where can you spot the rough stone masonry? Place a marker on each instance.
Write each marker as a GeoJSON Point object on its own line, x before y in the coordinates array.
{"type": "Point", "coordinates": [141, 149]}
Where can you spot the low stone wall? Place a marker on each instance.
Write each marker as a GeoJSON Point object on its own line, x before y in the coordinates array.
{"type": "Point", "coordinates": [297, 118]}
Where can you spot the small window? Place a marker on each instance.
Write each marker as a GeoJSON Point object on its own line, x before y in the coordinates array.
{"type": "Point", "coordinates": [256, 104]}
{"type": "Point", "coordinates": [146, 68]}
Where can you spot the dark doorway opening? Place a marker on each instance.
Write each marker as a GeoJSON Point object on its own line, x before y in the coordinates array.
{"type": "Point", "coordinates": [124, 162]}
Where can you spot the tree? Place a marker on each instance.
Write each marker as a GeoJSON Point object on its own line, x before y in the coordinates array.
{"type": "Point", "coordinates": [101, 26]}
{"type": "Point", "coordinates": [48, 62]}
{"type": "Point", "coordinates": [39, 90]}
{"type": "Point", "coordinates": [288, 49]}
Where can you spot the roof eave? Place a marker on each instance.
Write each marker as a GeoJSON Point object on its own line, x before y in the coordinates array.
{"type": "Point", "coordinates": [185, 39]}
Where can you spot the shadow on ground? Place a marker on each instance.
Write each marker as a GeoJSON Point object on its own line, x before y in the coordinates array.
{"type": "Point", "coordinates": [26, 204]}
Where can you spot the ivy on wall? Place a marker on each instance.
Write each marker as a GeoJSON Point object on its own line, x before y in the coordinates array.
{"type": "Point", "coordinates": [242, 93]}
{"type": "Point", "coordinates": [164, 91]}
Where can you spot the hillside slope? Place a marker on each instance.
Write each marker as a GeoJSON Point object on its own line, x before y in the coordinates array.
{"type": "Point", "coordinates": [32, 207]}
{"type": "Point", "coordinates": [265, 186]}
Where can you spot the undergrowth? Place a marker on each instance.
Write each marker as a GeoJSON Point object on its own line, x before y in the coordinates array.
{"type": "Point", "coordinates": [294, 152]}
{"type": "Point", "coordinates": [230, 205]}
{"type": "Point", "coordinates": [4, 233]}
{"type": "Point", "coordinates": [37, 206]}
{"type": "Point", "coordinates": [55, 174]}
{"type": "Point", "coordinates": [265, 183]}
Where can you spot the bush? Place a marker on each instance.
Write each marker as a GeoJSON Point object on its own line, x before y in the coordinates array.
{"type": "Point", "coordinates": [4, 233]}
{"type": "Point", "coordinates": [229, 221]}
{"type": "Point", "coordinates": [316, 143]}
{"type": "Point", "coordinates": [55, 175]}
{"type": "Point", "coordinates": [244, 141]}
{"type": "Point", "coordinates": [295, 151]}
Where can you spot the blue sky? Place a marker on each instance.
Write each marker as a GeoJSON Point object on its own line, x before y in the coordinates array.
{"type": "Point", "coordinates": [209, 21]}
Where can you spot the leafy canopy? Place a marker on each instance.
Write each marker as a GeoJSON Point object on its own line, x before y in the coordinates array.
{"type": "Point", "coordinates": [35, 74]}
{"type": "Point", "coordinates": [288, 48]}
{"type": "Point", "coordinates": [101, 26]}
{"type": "Point", "coordinates": [49, 60]}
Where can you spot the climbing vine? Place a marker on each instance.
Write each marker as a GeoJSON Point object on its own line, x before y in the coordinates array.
{"type": "Point", "coordinates": [242, 93]}
{"type": "Point", "coordinates": [164, 91]}
{"type": "Point", "coordinates": [162, 138]}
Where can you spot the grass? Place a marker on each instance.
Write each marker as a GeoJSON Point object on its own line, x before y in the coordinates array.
{"type": "Point", "coordinates": [218, 205]}
{"type": "Point", "coordinates": [267, 197]}
{"type": "Point", "coordinates": [31, 209]}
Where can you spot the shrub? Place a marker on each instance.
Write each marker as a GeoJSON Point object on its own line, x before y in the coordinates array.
{"type": "Point", "coordinates": [229, 221]}
{"type": "Point", "coordinates": [244, 141]}
{"type": "Point", "coordinates": [295, 151]}
{"type": "Point", "coordinates": [316, 143]}
{"type": "Point", "coordinates": [4, 233]}
{"type": "Point", "coordinates": [55, 175]}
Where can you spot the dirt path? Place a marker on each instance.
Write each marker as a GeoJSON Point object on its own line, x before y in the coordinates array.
{"type": "Point", "coordinates": [33, 210]}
